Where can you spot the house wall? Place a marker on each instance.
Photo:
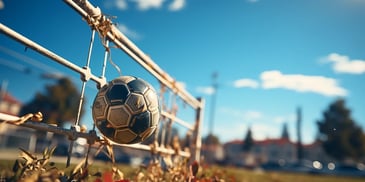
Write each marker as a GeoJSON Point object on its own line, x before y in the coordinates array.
{"type": "Point", "coordinates": [272, 150]}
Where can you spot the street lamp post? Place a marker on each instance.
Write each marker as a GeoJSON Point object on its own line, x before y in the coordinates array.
{"type": "Point", "coordinates": [213, 103]}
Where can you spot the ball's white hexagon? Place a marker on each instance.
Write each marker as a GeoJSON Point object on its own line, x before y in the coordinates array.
{"type": "Point", "coordinates": [124, 135]}
{"type": "Point", "coordinates": [155, 118]}
{"type": "Point", "coordinates": [151, 100]}
{"type": "Point", "coordinates": [123, 80]}
{"type": "Point", "coordinates": [119, 116]}
{"type": "Point", "coordinates": [100, 107]}
{"type": "Point", "coordinates": [136, 103]}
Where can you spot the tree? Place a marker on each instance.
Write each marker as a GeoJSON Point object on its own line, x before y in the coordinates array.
{"type": "Point", "coordinates": [341, 137]}
{"type": "Point", "coordinates": [211, 139]}
{"type": "Point", "coordinates": [58, 104]}
{"type": "Point", "coordinates": [248, 141]}
{"type": "Point", "coordinates": [284, 132]}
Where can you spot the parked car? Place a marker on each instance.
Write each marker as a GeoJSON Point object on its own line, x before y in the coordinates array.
{"type": "Point", "coordinates": [349, 170]}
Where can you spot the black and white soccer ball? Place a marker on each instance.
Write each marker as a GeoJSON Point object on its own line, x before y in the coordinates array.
{"type": "Point", "coordinates": [126, 110]}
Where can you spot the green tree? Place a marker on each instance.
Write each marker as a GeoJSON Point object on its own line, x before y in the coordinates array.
{"type": "Point", "coordinates": [58, 104]}
{"type": "Point", "coordinates": [284, 132]}
{"type": "Point", "coordinates": [211, 139]}
{"type": "Point", "coordinates": [341, 137]}
{"type": "Point", "coordinates": [248, 141]}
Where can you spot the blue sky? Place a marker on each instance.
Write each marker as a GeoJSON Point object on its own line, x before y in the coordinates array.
{"type": "Point", "coordinates": [272, 56]}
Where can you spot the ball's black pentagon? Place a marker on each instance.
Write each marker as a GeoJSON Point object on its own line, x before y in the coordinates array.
{"type": "Point", "coordinates": [147, 133]}
{"type": "Point", "coordinates": [106, 129]}
{"type": "Point", "coordinates": [140, 122]}
{"type": "Point", "coordinates": [117, 94]}
{"type": "Point", "coordinates": [138, 85]}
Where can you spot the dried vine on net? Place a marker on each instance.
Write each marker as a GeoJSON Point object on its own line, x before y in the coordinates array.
{"type": "Point", "coordinates": [103, 26]}
{"type": "Point", "coordinates": [38, 116]}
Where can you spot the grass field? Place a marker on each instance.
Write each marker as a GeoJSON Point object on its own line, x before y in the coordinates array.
{"type": "Point", "coordinates": [205, 173]}
{"type": "Point", "coordinates": [259, 176]}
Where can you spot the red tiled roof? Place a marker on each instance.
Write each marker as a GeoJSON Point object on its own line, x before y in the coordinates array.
{"type": "Point", "coordinates": [9, 98]}
{"type": "Point", "coordinates": [237, 142]}
{"type": "Point", "coordinates": [210, 147]}
{"type": "Point", "coordinates": [276, 141]}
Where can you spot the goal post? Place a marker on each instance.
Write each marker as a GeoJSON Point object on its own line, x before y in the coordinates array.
{"type": "Point", "coordinates": [104, 26]}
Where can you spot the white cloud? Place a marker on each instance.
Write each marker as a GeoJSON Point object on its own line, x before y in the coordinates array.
{"type": "Point", "coordinates": [177, 5]}
{"type": "Point", "coordinates": [144, 5]}
{"type": "Point", "coordinates": [128, 32]}
{"type": "Point", "coordinates": [261, 131]}
{"type": "Point", "coordinates": [252, 115]}
{"type": "Point", "coordinates": [282, 119]}
{"type": "Point", "coordinates": [302, 83]}
{"type": "Point", "coordinates": [232, 112]}
{"type": "Point", "coordinates": [148, 4]}
{"type": "Point", "coordinates": [206, 90]}
{"type": "Point", "coordinates": [252, 1]}
{"type": "Point", "coordinates": [343, 64]}
{"type": "Point", "coordinates": [245, 83]}
{"type": "Point", "coordinates": [262, 126]}
{"type": "Point", "coordinates": [242, 115]}
{"type": "Point", "coordinates": [121, 4]}
{"type": "Point", "coordinates": [230, 132]}
{"type": "Point", "coordinates": [1, 4]}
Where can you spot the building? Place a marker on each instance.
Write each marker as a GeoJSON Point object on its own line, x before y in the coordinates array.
{"type": "Point", "coordinates": [9, 137]}
{"type": "Point", "coordinates": [315, 152]}
{"type": "Point", "coordinates": [14, 137]}
{"type": "Point", "coordinates": [9, 104]}
{"type": "Point", "coordinates": [212, 153]}
{"type": "Point", "coordinates": [280, 151]}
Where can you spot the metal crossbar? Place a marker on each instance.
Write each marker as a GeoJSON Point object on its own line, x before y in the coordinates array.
{"type": "Point", "coordinates": [85, 71]}
{"type": "Point", "coordinates": [100, 23]}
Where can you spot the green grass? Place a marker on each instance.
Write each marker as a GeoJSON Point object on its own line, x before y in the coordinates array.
{"type": "Point", "coordinates": [206, 173]}
{"type": "Point", "coordinates": [259, 176]}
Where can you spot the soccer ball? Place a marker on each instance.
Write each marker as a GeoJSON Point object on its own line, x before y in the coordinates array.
{"type": "Point", "coordinates": [126, 110]}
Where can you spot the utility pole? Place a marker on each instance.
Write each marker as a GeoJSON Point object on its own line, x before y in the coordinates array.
{"type": "Point", "coordinates": [299, 135]}
{"type": "Point", "coordinates": [4, 85]}
{"type": "Point", "coordinates": [213, 103]}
